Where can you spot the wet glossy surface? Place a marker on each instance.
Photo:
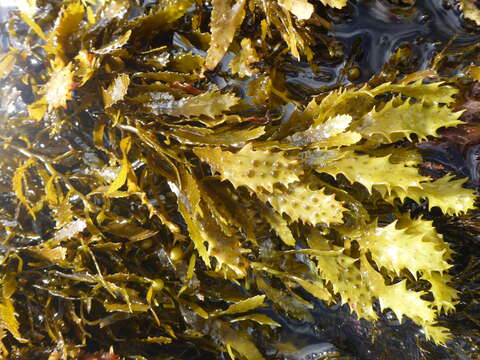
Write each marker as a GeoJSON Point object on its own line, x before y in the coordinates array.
{"type": "Point", "coordinates": [373, 30]}
{"type": "Point", "coordinates": [370, 34]}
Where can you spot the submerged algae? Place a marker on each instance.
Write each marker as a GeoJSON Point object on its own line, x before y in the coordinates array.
{"type": "Point", "coordinates": [124, 224]}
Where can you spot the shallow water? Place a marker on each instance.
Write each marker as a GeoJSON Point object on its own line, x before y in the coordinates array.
{"type": "Point", "coordinates": [373, 30]}
{"type": "Point", "coordinates": [370, 33]}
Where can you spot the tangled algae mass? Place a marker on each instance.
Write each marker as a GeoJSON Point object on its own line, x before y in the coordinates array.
{"type": "Point", "coordinates": [244, 179]}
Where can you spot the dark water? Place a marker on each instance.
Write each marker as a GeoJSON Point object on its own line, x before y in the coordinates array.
{"type": "Point", "coordinates": [371, 31]}
{"type": "Point", "coordinates": [427, 27]}
{"type": "Point", "coordinates": [3, 30]}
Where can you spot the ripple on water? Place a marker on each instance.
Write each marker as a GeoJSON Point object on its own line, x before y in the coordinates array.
{"type": "Point", "coordinates": [373, 30]}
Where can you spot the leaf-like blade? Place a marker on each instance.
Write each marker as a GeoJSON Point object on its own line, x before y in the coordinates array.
{"type": "Point", "coordinates": [188, 197]}
{"type": "Point", "coordinates": [474, 72]}
{"type": "Point", "coordinates": [434, 92]}
{"type": "Point", "coordinates": [7, 63]}
{"type": "Point", "coordinates": [59, 88]}
{"type": "Point", "coordinates": [17, 183]}
{"type": "Point", "coordinates": [69, 230]}
{"type": "Point", "coordinates": [370, 171]}
{"type": "Point", "coordinates": [439, 334]}
{"type": "Point", "coordinates": [421, 227]}
{"type": "Point", "coordinates": [7, 311]}
{"type": "Point", "coordinates": [226, 19]}
{"type": "Point", "coordinates": [299, 202]}
{"type": "Point", "coordinates": [204, 229]}
{"type": "Point", "coordinates": [392, 248]}
{"type": "Point", "coordinates": [344, 139]}
{"type": "Point", "coordinates": [210, 104]}
{"type": "Point", "coordinates": [195, 232]}
{"type": "Point", "coordinates": [317, 290]}
{"type": "Point", "coordinates": [344, 276]}
{"type": "Point", "coordinates": [449, 195]}
{"type": "Point", "coordinates": [302, 9]}
{"type": "Point", "coordinates": [190, 191]}
{"type": "Point", "coordinates": [67, 24]}
{"type": "Point", "coordinates": [298, 40]}
{"type": "Point", "coordinates": [226, 248]}
{"type": "Point", "coordinates": [122, 175]}
{"type": "Point", "coordinates": [37, 109]}
{"type": "Point", "coordinates": [408, 118]}
{"type": "Point", "coordinates": [126, 308]}
{"type": "Point", "coordinates": [291, 305]}
{"type": "Point", "coordinates": [317, 133]}
{"type": "Point", "coordinates": [116, 91]}
{"type": "Point", "coordinates": [242, 63]}
{"type": "Point", "coordinates": [251, 168]}
{"type": "Point", "coordinates": [352, 102]}
{"type": "Point", "coordinates": [470, 10]}
{"type": "Point", "coordinates": [402, 301]}
{"type": "Point", "coordinates": [33, 25]}
{"type": "Point", "coordinates": [53, 255]}
{"type": "Point", "coordinates": [238, 341]}
{"type": "Point", "coordinates": [221, 136]}
{"type": "Point", "coordinates": [115, 44]}
{"type": "Point", "coordinates": [262, 319]}
{"type": "Point", "coordinates": [128, 230]}
{"type": "Point", "coordinates": [397, 297]}
{"type": "Point", "coordinates": [444, 296]}
{"type": "Point", "coordinates": [338, 4]}
{"type": "Point", "coordinates": [163, 17]}
{"type": "Point", "coordinates": [280, 225]}
{"type": "Point", "coordinates": [244, 305]}
{"type": "Point", "coordinates": [359, 285]}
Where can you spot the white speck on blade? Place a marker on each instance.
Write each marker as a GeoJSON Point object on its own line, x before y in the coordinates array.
{"type": "Point", "coordinates": [70, 230]}
{"type": "Point", "coordinates": [333, 126]}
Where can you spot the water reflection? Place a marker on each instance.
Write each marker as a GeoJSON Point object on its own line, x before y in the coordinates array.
{"type": "Point", "coordinates": [4, 10]}
{"type": "Point", "coordinates": [372, 30]}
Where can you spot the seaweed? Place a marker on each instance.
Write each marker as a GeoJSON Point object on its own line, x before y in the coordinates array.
{"type": "Point", "coordinates": [167, 195]}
